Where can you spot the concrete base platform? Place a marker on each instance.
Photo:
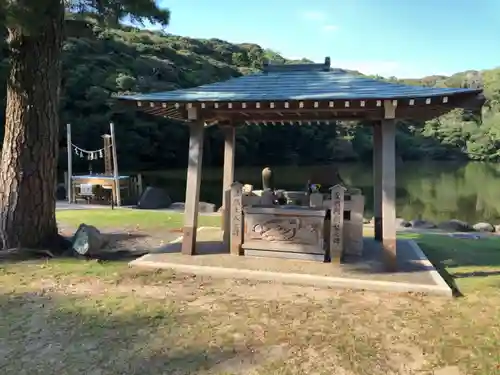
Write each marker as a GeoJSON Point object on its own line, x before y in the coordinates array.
{"type": "Point", "coordinates": [415, 271]}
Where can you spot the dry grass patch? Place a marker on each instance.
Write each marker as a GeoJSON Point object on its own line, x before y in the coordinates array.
{"type": "Point", "coordinates": [69, 317]}
{"type": "Point", "coordinates": [73, 317]}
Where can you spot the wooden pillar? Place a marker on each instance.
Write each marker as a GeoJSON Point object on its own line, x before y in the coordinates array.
{"type": "Point", "coordinates": [193, 186]}
{"type": "Point", "coordinates": [377, 179]}
{"type": "Point", "coordinates": [69, 177]}
{"type": "Point", "coordinates": [229, 151]}
{"type": "Point", "coordinates": [389, 186]}
{"type": "Point", "coordinates": [108, 162]}
{"type": "Point", "coordinates": [228, 179]}
{"type": "Point", "coordinates": [139, 186]}
{"type": "Point", "coordinates": [116, 178]}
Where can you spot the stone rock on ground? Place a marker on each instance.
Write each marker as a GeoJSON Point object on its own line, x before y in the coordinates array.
{"type": "Point", "coordinates": [88, 240]}
{"type": "Point", "coordinates": [60, 192]}
{"type": "Point", "coordinates": [402, 223]}
{"type": "Point", "coordinates": [422, 224]}
{"type": "Point", "coordinates": [455, 226]}
{"type": "Point", "coordinates": [203, 207]}
{"type": "Point", "coordinates": [483, 227]}
{"type": "Point", "coordinates": [178, 206]}
{"type": "Point", "coordinates": [206, 207]}
{"type": "Point", "coordinates": [154, 198]}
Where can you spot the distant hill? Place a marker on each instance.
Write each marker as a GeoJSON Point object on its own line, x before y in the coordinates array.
{"type": "Point", "coordinates": [99, 62]}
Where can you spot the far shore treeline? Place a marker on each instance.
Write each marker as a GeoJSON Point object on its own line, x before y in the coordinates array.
{"type": "Point", "coordinates": [99, 62]}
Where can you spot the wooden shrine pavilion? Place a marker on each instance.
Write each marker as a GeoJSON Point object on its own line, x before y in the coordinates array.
{"type": "Point", "coordinates": [301, 94]}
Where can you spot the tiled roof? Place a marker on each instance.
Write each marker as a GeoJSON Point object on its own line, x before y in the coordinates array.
{"type": "Point", "coordinates": [301, 82]}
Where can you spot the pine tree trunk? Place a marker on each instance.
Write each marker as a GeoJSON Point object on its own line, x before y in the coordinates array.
{"type": "Point", "coordinates": [28, 167]}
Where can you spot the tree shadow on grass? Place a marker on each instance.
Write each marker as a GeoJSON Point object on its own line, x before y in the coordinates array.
{"type": "Point", "coordinates": [449, 279]}
{"type": "Point", "coordinates": [202, 248]}
{"type": "Point", "coordinates": [449, 254]}
{"type": "Point", "coordinates": [460, 252]}
{"type": "Point", "coordinates": [461, 275]}
{"type": "Point", "coordinates": [116, 249]}
{"type": "Point", "coordinates": [53, 333]}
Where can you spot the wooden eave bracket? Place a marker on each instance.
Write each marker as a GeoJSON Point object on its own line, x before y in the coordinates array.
{"type": "Point", "coordinates": [390, 109]}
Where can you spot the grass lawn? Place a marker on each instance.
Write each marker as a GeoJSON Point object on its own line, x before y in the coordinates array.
{"type": "Point", "coordinates": [473, 265]}
{"type": "Point", "coordinates": [130, 218]}
{"type": "Point", "coordinates": [74, 317]}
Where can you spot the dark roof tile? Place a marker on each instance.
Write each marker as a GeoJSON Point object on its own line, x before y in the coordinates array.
{"type": "Point", "coordinates": [297, 84]}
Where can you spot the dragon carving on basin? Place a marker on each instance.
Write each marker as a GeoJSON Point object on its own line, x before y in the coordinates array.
{"type": "Point", "coordinates": [281, 229]}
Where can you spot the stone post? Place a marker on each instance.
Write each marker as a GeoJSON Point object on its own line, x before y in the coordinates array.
{"type": "Point", "coordinates": [337, 224]}
{"type": "Point", "coordinates": [236, 219]}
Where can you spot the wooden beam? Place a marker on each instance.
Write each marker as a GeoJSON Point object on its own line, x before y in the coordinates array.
{"type": "Point", "coordinates": [417, 108]}
{"type": "Point", "coordinates": [272, 119]}
{"type": "Point", "coordinates": [419, 113]}
{"type": "Point", "coordinates": [193, 188]}
{"type": "Point", "coordinates": [208, 124]}
{"type": "Point", "coordinates": [377, 179]}
{"type": "Point", "coordinates": [449, 99]}
{"type": "Point", "coordinates": [390, 109]}
{"type": "Point", "coordinates": [292, 111]}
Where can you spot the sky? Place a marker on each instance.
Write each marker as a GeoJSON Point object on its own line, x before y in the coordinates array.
{"type": "Point", "coordinates": [402, 38]}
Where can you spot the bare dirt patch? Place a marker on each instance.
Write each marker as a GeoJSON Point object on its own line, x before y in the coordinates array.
{"type": "Point", "coordinates": [131, 238]}
{"type": "Point", "coordinates": [76, 317]}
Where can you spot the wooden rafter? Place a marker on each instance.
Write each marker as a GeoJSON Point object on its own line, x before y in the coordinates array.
{"type": "Point", "coordinates": [307, 110]}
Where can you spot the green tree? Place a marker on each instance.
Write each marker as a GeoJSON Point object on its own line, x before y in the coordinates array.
{"type": "Point", "coordinates": [35, 34]}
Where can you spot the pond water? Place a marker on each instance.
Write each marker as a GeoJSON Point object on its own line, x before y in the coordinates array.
{"type": "Point", "coordinates": [432, 191]}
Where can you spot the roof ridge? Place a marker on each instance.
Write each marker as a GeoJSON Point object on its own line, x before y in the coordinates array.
{"type": "Point", "coordinates": [268, 66]}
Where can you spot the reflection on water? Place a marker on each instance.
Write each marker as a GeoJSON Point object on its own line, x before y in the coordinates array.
{"type": "Point", "coordinates": [437, 191]}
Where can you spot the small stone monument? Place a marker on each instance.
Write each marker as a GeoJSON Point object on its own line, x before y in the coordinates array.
{"type": "Point", "coordinates": [267, 179]}
{"type": "Point", "coordinates": [316, 200]}
{"type": "Point", "coordinates": [247, 189]}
